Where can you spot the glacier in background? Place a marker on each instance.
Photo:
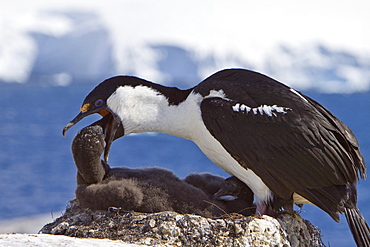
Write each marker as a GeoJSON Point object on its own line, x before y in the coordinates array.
{"type": "Point", "coordinates": [61, 48]}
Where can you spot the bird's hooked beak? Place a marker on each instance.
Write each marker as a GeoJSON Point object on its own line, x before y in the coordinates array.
{"type": "Point", "coordinates": [110, 124]}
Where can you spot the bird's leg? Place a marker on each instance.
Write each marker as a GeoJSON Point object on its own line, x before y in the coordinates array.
{"type": "Point", "coordinates": [261, 209]}
{"type": "Point", "coordinates": [264, 209]}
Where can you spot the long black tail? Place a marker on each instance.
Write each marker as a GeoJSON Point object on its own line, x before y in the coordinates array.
{"type": "Point", "coordinates": [359, 228]}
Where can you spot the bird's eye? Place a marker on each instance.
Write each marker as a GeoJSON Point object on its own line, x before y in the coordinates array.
{"type": "Point", "coordinates": [99, 103]}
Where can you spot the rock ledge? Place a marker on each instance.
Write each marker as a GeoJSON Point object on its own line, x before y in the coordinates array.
{"type": "Point", "coordinates": [174, 229]}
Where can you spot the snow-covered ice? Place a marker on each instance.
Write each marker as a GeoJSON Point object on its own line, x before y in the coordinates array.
{"type": "Point", "coordinates": [46, 240]}
{"type": "Point", "coordinates": [67, 42]}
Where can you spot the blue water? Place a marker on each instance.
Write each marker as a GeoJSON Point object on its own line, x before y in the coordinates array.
{"type": "Point", "coordinates": [37, 173]}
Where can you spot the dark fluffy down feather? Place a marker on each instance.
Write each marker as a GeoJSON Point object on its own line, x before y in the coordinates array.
{"type": "Point", "coordinates": [149, 189]}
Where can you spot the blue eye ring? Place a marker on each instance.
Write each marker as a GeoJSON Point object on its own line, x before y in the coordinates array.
{"type": "Point", "coordinates": [99, 103]}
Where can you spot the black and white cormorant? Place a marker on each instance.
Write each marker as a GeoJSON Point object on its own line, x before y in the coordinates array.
{"type": "Point", "coordinates": [285, 146]}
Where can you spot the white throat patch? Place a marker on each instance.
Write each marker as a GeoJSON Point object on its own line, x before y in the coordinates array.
{"type": "Point", "coordinates": [137, 107]}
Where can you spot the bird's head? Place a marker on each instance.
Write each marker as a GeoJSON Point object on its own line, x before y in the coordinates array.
{"type": "Point", "coordinates": [99, 100]}
{"type": "Point", "coordinates": [128, 105]}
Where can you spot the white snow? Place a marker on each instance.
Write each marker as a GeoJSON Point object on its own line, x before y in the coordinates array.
{"type": "Point", "coordinates": [17, 48]}
{"type": "Point", "coordinates": [26, 224]}
{"type": "Point", "coordinates": [216, 35]}
{"type": "Point", "coordinates": [46, 240]}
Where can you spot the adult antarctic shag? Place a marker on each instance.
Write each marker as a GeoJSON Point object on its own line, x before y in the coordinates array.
{"type": "Point", "coordinates": [285, 146]}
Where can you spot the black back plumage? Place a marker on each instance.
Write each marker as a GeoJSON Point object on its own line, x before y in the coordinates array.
{"type": "Point", "coordinates": [302, 150]}
{"type": "Point", "coordinates": [295, 146]}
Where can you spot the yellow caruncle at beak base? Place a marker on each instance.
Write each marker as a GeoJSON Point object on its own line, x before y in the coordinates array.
{"type": "Point", "coordinates": [85, 107]}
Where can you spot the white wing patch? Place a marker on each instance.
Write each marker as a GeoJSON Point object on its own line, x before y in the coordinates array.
{"type": "Point", "coordinates": [270, 111]}
{"type": "Point", "coordinates": [217, 93]}
{"type": "Point", "coordinates": [294, 91]}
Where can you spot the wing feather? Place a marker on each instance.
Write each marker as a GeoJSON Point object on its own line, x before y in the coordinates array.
{"type": "Point", "coordinates": [299, 149]}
